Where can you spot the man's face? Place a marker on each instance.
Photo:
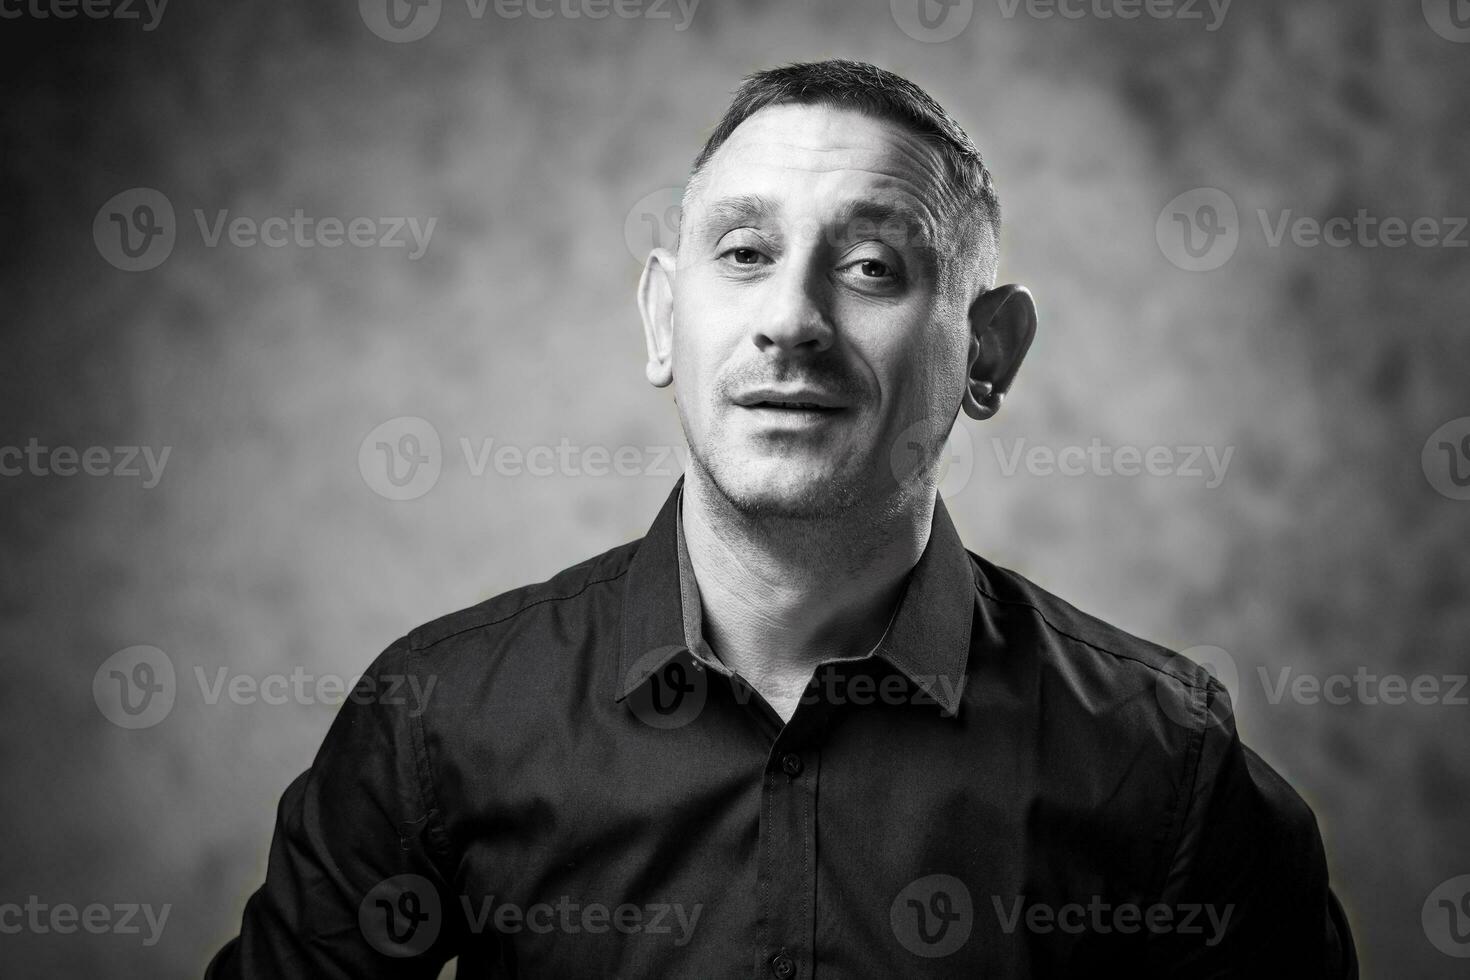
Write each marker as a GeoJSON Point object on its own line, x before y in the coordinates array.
{"type": "Point", "coordinates": [815, 356]}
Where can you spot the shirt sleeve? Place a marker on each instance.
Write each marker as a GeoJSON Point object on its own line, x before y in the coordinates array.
{"type": "Point", "coordinates": [1250, 870]}
{"type": "Point", "coordinates": [354, 887]}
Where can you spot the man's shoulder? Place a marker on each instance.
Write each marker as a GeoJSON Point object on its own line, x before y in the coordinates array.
{"type": "Point", "coordinates": [1095, 656]}
{"type": "Point", "coordinates": [573, 587]}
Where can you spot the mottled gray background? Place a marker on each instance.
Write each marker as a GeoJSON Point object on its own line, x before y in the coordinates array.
{"type": "Point", "coordinates": [537, 144]}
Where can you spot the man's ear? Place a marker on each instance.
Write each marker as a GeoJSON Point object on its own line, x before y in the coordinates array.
{"type": "Point", "coordinates": [656, 303]}
{"type": "Point", "coordinates": [1002, 326]}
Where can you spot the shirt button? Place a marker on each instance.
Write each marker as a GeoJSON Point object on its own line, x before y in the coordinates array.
{"type": "Point", "coordinates": [791, 764]}
{"type": "Point", "coordinates": [783, 966]}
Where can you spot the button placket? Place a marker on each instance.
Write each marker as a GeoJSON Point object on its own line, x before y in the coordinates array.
{"type": "Point", "coordinates": [788, 846]}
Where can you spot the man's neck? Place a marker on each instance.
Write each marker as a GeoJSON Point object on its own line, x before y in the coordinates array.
{"type": "Point", "coordinates": [782, 595]}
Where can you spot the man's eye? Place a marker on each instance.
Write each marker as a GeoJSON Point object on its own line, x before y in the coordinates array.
{"type": "Point", "coordinates": [744, 256]}
{"type": "Point", "coordinates": [873, 270]}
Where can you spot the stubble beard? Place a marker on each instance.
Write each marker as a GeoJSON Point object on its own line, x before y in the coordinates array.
{"type": "Point", "coordinates": [852, 497]}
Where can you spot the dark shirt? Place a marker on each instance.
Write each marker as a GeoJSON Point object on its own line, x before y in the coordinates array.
{"type": "Point", "coordinates": [1007, 787]}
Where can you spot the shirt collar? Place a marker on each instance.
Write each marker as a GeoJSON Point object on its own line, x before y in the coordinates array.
{"type": "Point", "coordinates": [928, 640]}
{"type": "Point", "coordinates": [691, 606]}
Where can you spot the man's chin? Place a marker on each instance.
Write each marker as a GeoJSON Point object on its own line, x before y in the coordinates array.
{"type": "Point", "coordinates": [779, 488]}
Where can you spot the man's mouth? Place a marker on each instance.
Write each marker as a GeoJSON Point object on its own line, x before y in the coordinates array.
{"type": "Point", "coordinates": [793, 400]}
{"type": "Point", "coordinates": [795, 406]}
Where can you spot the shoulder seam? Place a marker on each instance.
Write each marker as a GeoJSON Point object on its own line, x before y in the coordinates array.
{"type": "Point", "coordinates": [1171, 831]}
{"type": "Point", "coordinates": [1077, 639]}
{"type": "Point", "coordinates": [436, 830]}
{"type": "Point", "coordinates": [414, 645]}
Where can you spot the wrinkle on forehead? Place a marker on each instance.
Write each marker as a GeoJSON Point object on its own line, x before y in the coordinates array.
{"type": "Point", "coordinates": [832, 143]}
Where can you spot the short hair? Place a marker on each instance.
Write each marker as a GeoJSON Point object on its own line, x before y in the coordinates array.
{"type": "Point", "coordinates": [970, 203]}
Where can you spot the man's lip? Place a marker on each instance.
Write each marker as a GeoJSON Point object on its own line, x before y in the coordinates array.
{"type": "Point", "coordinates": [801, 398]}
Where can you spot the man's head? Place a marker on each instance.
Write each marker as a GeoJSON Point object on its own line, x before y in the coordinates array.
{"type": "Point", "coordinates": [829, 308]}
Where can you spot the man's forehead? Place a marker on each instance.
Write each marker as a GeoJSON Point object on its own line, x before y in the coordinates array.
{"type": "Point", "coordinates": [836, 155]}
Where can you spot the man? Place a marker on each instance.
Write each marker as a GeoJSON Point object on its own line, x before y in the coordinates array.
{"type": "Point", "coordinates": [797, 730]}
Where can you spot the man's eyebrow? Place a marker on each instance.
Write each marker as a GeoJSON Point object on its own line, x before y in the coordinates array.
{"type": "Point", "coordinates": [740, 209]}
{"type": "Point", "coordinates": [737, 210]}
{"type": "Point", "coordinates": [918, 227]}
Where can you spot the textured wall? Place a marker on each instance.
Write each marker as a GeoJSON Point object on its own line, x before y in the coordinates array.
{"type": "Point", "coordinates": [544, 150]}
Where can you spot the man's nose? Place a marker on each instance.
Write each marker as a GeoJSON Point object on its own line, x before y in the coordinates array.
{"type": "Point", "coordinates": [794, 317]}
